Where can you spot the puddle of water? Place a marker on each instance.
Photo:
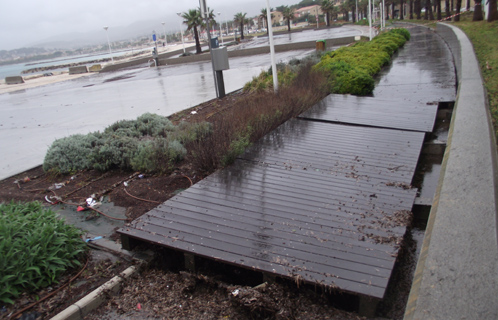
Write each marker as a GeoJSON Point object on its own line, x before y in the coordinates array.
{"type": "Point", "coordinates": [430, 180]}
{"type": "Point", "coordinates": [101, 226]}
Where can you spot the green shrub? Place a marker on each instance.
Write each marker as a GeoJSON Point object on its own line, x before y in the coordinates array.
{"type": "Point", "coordinates": [402, 31]}
{"type": "Point", "coordinates": [113, 152]}
{"type": "Point", "coordinates": [356, 82]}
{"type": "Point", "coordinates": [153, 125]}
{"type": "Point", "coordinates": [72, 153]}
{"type": "Point", "coordinates": [237, 147]}
{"type": "Point", "coordinates": [36, 248]}
{"type": "Point", "coordinates": [157, 155]}
{"type": "Point", "coordinates": [151, 143]}
{"type": "Point", "coordinates": [351, 69]}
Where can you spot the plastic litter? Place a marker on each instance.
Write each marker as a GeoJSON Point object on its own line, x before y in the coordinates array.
{"type": "Point", "coordinates": [93, 239]}
{"type": "Point", "coordinates": [125, 183]}
{"type": "Point", "coordinates": [141, 176]}
{"type": "Point", "coordinates": [91, 202]}
{"type": "Point", "coordinates": [193, 112]}
{"type": "Point", "coordinates": [56, 186]}
{"type": "Point", "coordinates": [80, 208]}
{"type": "Point", "coordinates": [139, 306]}
{"type": "Point", "coordinates": [52, 200]}
{"type": "Point", "coordinates": [235, 292]}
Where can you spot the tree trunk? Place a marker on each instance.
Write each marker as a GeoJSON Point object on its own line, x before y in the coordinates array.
{"type": "Point", "coordinates": [439, 15]}
{"type": "Point", "coordinates": [401, 10]}
{"type": "Point", "coordinates": [354, 14]}
{"type": "Point", "coordinates": [458, 6]}
{"type": "Point", "coordinates": [418, 9]}
{"type": "Point", "coordinates": [328, 19]}
{"type": "Point", "coordinates": [447, 5]}
{"type": "Point", "coordinates": [467, 7]}
{"type": "Point", "coordinates": [242, 31]}
{"type": "Point", "coordinates": [393, 9]}
{"type": "Point", "coordinates": [477, 11]}
{"type": "Point", "coordinates": [198, 49]}
{"type": "Point", "coordinates": [493, 12]}
{"type": "Point", "coordinates": [452, 7]}
{"type": "Point", "coordinates": [411, 9]}
{"type": "Point", "coordinates": [288, 25]}
{"type": "Point", "coordinates": [431, 15]}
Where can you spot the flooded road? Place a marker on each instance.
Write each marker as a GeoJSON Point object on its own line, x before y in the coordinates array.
{"type": "Point", "coordinates": [31, 119]}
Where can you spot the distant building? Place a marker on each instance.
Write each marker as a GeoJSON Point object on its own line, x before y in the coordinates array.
{"type": "Point", "coordinates": [277, 18]}
{"type": "Point", "coordinates": [310, 10]}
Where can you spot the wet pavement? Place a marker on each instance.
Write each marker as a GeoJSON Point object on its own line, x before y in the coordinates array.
{"type": "Point", "coordinates": [306, 35]}
{"type": "Point", "coordinates": [31, 119]}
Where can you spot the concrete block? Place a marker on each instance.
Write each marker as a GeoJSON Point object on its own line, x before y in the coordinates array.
{"type": "Point", "coordinates": [14, 80]}
{"type": "Point", "coordinates": [78, 70]}
{"type": "Point", "coordinates": [95, 68]}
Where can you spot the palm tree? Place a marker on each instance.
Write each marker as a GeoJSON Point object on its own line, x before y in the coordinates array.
{"type": "Point", "coordinates": [264, 16]}
{"type": "Point", "coordinates": [327, 7]}
{"type": "Point", "coordinates": [193, 20]}
{"type": "Point", "coordinates": [288, 15]}
{"type": "Point", "coordinates": [240, 19]}
{"type": "Point", "coordinates": [211, 18]}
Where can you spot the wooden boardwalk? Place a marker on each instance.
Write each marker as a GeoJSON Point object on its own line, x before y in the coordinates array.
{"type": "Point", "coordinates": [303, 203]}
{"type": "Point", "coordinates": [375, 112]}
{"type": "Point", "coordinates": [323, 199]}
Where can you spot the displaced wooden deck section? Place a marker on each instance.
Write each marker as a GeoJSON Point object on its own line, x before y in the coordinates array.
{"type": "Point", "coordinates": [375, 112]}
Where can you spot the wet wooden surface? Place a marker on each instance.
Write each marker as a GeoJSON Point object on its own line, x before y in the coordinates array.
{"type": "Point", "coordinates": [316, 201]}
{"type": "Point", "coordinates": [311, 201]}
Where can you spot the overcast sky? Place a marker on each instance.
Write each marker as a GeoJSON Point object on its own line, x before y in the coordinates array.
{"type": "Point", "coordinates": [26, 22]}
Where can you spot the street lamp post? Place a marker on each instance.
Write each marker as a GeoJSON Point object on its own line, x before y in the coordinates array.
{"type": "Point", "coordinates": [181, 30]}
{"type": "Point", "coordinates": [272, 48]}
{"type": "Point", "coordinates": [108, 43]}
{"type": "Point", "coordinates": [221, 29]}
{"type": "Point", "coordinates": [164, 29]}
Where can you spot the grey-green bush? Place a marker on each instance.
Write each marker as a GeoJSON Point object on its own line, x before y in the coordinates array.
{"type": "Point", "coordinates": [151, 143]}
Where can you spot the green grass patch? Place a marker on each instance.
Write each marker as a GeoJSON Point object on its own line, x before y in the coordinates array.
{"type": "Point", "coordinates": [484, 37]}
{"type": "Point", "coordinates": [36, 248]}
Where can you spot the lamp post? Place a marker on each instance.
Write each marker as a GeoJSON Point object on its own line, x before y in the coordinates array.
{"type": "Point", "coordinates": [221, 29]}
{"type": "Point", "coordinates": [272, 48]}
{"type": "Point", "coordinates": [164, 29]}
{"type": "Point", "coordinates": [181, 30]}
{"type": "Point", "coordinates": [108, 43]}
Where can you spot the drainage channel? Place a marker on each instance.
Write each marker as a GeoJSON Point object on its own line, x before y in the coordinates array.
{"type": "Point", "coordinates": [429, 167]}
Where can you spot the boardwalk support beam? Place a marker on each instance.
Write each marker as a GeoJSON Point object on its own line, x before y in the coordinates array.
{"type": "Point", "coordinates": [368, 306]}
{"type": "Point", "coordinates": [189, 262]}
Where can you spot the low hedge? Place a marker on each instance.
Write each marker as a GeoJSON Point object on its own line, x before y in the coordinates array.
{"type": "Point", "coordinates": [351, 69]}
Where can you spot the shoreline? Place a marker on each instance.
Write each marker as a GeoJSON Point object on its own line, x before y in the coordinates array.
{"type": "Point", "coordinates": [40, 80]}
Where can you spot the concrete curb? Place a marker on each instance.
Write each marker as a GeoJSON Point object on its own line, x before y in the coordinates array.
{"type": "Point", "coordinates": [93, 300]}
{"type": "Point", "coordinates": [457, 271]}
